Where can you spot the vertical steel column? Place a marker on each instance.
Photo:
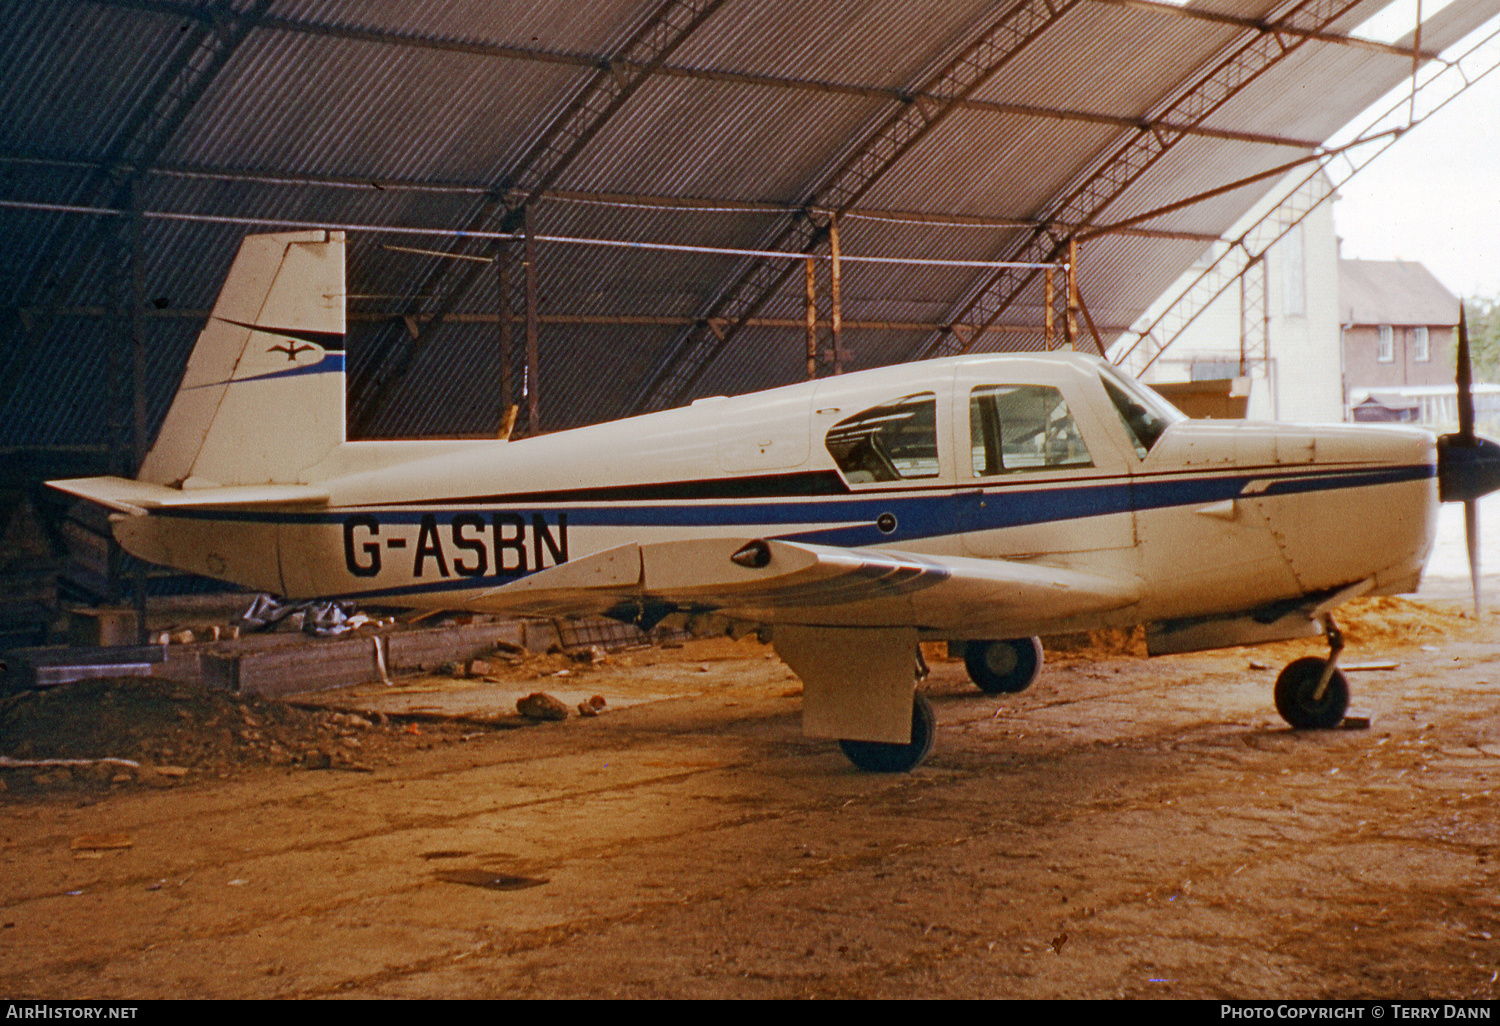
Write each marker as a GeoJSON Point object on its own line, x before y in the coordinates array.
{"type": "Point", "coordinates": [1265, 336]}
{"type": "Point", "coordinates": [125, 368]}
{"type": "Point", "coordinates": [137, 328]}
{"type": "Point", "coordinates": [121, 355]}
{"type": "Point", "coordinates": [118, 346]}
{"type": "Point", "coordinates": [1051, 329]}
{"type": "Point", "coordinates": [836, 288]}
{"type": "Point", "coordinates": [1244, 327]}
{"type": "Point", "coordinates": [502, 287]}
{"type": "Point", "coordinates": [1416, 63]}
{"type": "Point", "coordinates": [812, 318]}
{"type": "Point", "coordinates": [533, 411]}
{"type": "Point", "coordinates": [1073, 294]}
{"type": "Point", "coordinates": [1255, 322]}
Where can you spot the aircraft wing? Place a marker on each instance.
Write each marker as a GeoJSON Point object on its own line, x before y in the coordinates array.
{"type": "Point", "coordinates": [769, 581]}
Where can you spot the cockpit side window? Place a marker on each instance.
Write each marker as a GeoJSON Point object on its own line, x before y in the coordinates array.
{"type": "Point", "coordinates": [1023, 427]}
{"type": "Point", "coordinates": [893, 442]}
{"type": "Point", "coordinates": [1146, 416]}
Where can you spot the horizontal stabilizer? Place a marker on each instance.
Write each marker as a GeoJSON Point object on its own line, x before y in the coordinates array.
{"type": "Point", "coordinates": [139, 497]}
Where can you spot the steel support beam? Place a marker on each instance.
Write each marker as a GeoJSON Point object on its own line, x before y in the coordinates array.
{"type": "Point", "coordinates": [1337, 38]}
{"type": "Point", "coordinates": [126, 386]}
{"type": "Point", "coordinates": [593, 61]}
{"type": "Point", "coordinates": [1228, 76]}
{"type": "Point", "coordinates": [836, 296]}
{"type": "Point", "coordinates": [615, 199]}
{"type": "Point", "coordinates": [533, 382]}
{"type": "Point", "coordinates": [811, 290]}
{"type": "Point", "coordinates": [612, 85]}
{"type": "Point", "coordinates": [1255, 316]}
{"type": "Point", "coordinates": [606, 320]}
{"type": "Point", "coordinates": [178, 9]}
{"type": "Point", "coordinates": [1276, 172]}
{"type": "Point", "coordinates": [125, 356]}
{"type": "Point", "coordinates": [502, 295]}
{"type": "Point", "coordinates": [931, 104]}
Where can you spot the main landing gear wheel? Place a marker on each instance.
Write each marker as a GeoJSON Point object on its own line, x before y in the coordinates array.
{"type": "Point", "coordinates": [1297, 699]}
{"type": "Point", "coordinates": [886, 757]}
{"type": "Point", "coordinates": [1003, 667]}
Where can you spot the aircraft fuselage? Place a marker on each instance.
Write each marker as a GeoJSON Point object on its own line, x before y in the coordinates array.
{"type": "Point", "coordinates": [1026, 458]}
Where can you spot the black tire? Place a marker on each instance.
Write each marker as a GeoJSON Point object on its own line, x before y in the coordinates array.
{"type": "Point", "coordinates": [885, 757]}
{"type": "Point", "coordinates": [1294, 695]}
{"type": "Point", "coordinates": [1003, 667]}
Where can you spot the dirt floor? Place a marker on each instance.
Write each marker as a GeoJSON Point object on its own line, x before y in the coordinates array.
{"type": "Point", "coordinates": [1128, 827]}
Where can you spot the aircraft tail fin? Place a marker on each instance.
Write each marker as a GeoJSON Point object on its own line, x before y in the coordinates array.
{"type": "Point", "coordinates": [263, 395]}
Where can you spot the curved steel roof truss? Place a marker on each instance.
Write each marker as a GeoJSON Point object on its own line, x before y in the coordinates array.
{"type": "Point", "coordinates": [199, 56]}
{"type": "Point", "coordinates": [1104, 185]}
{"type": "Point", "coordinates": [931, 103]}
{"type": "Point", "coordinates": [984, 129]}
{"type": "Point", "coordinates": [611, 87]}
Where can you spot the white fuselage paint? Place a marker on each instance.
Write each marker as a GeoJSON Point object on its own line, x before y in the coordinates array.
{"type": "Point", "coordinates": [1218, 517]}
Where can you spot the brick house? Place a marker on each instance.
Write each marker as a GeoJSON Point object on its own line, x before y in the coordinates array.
{"type": "Point", "coordinates": [1399, 326]}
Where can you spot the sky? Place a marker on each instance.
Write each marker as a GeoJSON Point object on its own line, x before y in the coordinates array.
{"type": "Point", "coordinates": [1434, 196]}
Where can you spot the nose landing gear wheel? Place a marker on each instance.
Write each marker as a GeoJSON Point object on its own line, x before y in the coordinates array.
{"type": "Point", "coordinates": [1003, 667]}
{"type": "Point", "coordinates": [1297, 699]}
{"type": "Point", "coordinates": [885, 757]}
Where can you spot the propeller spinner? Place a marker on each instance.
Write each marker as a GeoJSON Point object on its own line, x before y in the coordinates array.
{"type": "Point", "coordinates": [1468, 466]}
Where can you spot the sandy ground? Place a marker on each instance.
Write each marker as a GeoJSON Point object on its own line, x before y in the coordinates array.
{"type": "Point", "coordinates": [1125, 828]}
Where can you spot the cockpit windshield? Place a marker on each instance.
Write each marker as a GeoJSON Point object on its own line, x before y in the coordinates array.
{"type": "Point", "coordinates": [1145, 414]}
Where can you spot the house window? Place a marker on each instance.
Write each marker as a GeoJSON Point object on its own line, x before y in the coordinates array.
{"type": "Point", "coordinates": [1385, 351]}
{"type": "Point", "coordinates": [1419, 349]}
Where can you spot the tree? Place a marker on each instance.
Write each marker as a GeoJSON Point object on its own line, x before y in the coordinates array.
{"type": "Point", "coordinates": [1484, 337]}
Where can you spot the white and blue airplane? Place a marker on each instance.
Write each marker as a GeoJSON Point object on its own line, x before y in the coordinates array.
{"type": "Point", "coordinates": [983, 500]}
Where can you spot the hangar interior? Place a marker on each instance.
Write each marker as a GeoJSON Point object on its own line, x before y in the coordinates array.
{"type": "Point", "coordinates": [593, 211]}
{"type": "Point", "coordinates": [561, 213]}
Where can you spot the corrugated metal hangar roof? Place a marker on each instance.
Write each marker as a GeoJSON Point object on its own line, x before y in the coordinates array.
{"type": "Point", "coordinates": [948, 130]}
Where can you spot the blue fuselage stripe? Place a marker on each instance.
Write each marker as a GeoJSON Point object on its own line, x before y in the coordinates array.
{"type": "Point", "coordinates": [921, 514]}
{"type": "Point", "coordinates": [849, 522]}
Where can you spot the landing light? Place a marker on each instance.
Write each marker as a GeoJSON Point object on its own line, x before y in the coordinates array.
{"type": "Point", "coordinates": [753, 556]}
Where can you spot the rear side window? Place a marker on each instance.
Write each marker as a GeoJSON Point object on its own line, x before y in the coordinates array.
{"type": "Point", "coordinates": [896, 441]}
{"type": "Point", "coordinates": [1023, 427]}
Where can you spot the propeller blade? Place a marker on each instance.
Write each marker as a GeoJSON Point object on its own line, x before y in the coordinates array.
{"type": "Point", "coordinates": [1471, 535]}
{"type": "Point", "coordinates": [1465, 377]}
